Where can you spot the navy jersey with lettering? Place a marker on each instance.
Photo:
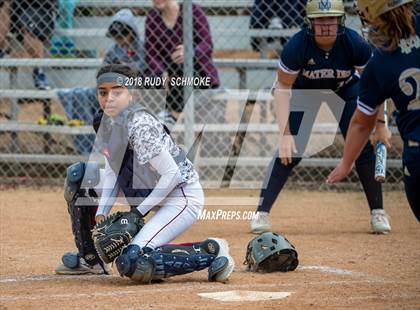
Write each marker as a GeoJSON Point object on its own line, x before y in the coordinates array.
{"type": "Point", "coordinates": [395, 75]}
{"type": "Point", "coordinates": [318, 69]}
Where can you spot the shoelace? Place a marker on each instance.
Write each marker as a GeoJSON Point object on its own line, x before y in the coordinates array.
{"type": "Point", "coordinates": [380, 218]}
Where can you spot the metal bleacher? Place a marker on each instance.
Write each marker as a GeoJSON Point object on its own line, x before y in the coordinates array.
{"type": "Point", "coordinates": [228, 29]}
{"type": "Point", "coordinates": [14, 94]}
{"type": "Point", "coordinates": [231, 28]}
{"type": "Point", "coordinates": [147, 3]}
{"type": "Point", "coordinates": [240, 65]}
{"type": "Point", "coordinates": [84, 34]}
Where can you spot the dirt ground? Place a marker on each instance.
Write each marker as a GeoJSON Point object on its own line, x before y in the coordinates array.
{"type": "Point", "coordinates": [342, 265]}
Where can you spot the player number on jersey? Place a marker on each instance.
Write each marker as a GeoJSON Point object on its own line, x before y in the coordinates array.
{"type": "Point", "coordinates": [410, 85]}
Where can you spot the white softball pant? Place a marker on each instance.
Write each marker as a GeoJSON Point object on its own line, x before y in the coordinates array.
{"type": "Point", "coordinates": [177, 212]}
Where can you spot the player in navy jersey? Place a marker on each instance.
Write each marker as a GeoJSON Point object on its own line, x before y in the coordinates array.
{"type": "Point", "coordinates": [323, 55]}
{"type": "Point", "coordinates": [393, 72]}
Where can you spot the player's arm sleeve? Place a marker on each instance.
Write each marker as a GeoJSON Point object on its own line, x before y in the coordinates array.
{"type": "Point", "coordinates": [291, 60]}
{"type": "Point", "coordinates": [362, 52]}
{"type": "Point", "coordinates": [170, 177]}
{"type": "Point", "coordinates": [109, 191]}
{"type": "Point", "coordinates": [369, 92]}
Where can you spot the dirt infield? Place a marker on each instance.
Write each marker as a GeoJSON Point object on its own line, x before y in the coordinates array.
{"type": "Point", "coordinates": [341, 264]}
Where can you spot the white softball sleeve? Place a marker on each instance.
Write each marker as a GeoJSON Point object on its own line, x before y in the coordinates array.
{"type": "Point", "coordinates": [170, 177]}
{"type": "Point", "coordinates": [109, 189]}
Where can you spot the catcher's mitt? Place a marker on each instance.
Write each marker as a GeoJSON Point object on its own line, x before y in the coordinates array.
{"type": "Point", "coordinates": [115, 232]}
{"type": "Point", "coordinates": [271, 252]}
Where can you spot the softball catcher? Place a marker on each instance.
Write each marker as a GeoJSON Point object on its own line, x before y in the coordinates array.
{"type": "Point", "coordinates": [142, 162]}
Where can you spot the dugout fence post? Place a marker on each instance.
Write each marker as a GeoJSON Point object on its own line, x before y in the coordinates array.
{"type": "Point", "coordinates": [188, 72]}
{"type": "Point", "coordinates": [14, 109]}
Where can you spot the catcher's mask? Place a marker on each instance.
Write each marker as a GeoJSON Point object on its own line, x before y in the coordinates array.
{"type": "Point", "coordinates": [322, 9]}
{"type": "Point", "coordinates": [271, 252]}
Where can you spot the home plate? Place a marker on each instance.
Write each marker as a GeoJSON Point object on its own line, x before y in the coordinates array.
{"type": "Point", "coordinates": [245, 295]}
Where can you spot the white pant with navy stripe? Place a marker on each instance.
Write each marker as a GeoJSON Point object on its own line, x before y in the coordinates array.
{"type": "Point", "coordinates": [178, 211]}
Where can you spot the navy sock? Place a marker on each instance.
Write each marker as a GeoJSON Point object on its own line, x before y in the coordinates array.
{"type": "Point", "coordinates": [276, 176]}
{"type": "Point", "coordinates": [372, 188]}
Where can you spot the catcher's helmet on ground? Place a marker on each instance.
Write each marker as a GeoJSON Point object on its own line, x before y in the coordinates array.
{"type": "Point", "coordinates": [271, 252]}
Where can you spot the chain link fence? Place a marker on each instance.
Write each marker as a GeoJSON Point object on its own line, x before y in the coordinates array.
{"type": "Point", "coordinates": [50, 51]}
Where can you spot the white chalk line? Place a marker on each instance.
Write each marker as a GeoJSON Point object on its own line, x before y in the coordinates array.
{"type": "Point", "coordinates": [361, 278]}
{"type": "Point", "coordinates": [381, 297]}
{"type": "Point", "coordinates": [343, 272]}
{"type": "Point", "coordinates": [148, 289]}
{"type": "Point", "coordinates": [324, 269]}
{"type": "Point", "coordinates": [339, 271]}
{"type": "Point", "coordinates": [52, 278]}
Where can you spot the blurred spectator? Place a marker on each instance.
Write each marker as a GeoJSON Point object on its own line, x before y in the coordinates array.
{"type": "Point", "coordinates": [128, 48]}
{"type": "Point", "coordinates": [276, 14]}
{"type": "Point", "coordinates": [165, 50]}
{"type": "Point", "coordinates": [33, 24]}
{"type": "Point", "coordinates": [63, 46]}
{"type": "Point", "coordinates": [4, 26]}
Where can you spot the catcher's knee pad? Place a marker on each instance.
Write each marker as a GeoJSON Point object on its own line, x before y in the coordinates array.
{"type": "Point", "coordinates": [134, 264]}
{"type": "Point", "coordinates": [144, 270]}
{"type": "Point", "coordinates": [82, 214]}
{"type": "Point", "coordinates": [80, 180]}
{"type": "Point", "coordinates": [126, 262]}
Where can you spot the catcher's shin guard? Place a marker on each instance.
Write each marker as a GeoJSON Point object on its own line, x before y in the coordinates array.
{"type": "Point", "coordinates": [169, 265]}
{"type": "Point", "coordinates": [208, 246]}
{"type": "Point", "coordinates": [147, 265]}
{"type": "Point", "coordinates": [82, 215]}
